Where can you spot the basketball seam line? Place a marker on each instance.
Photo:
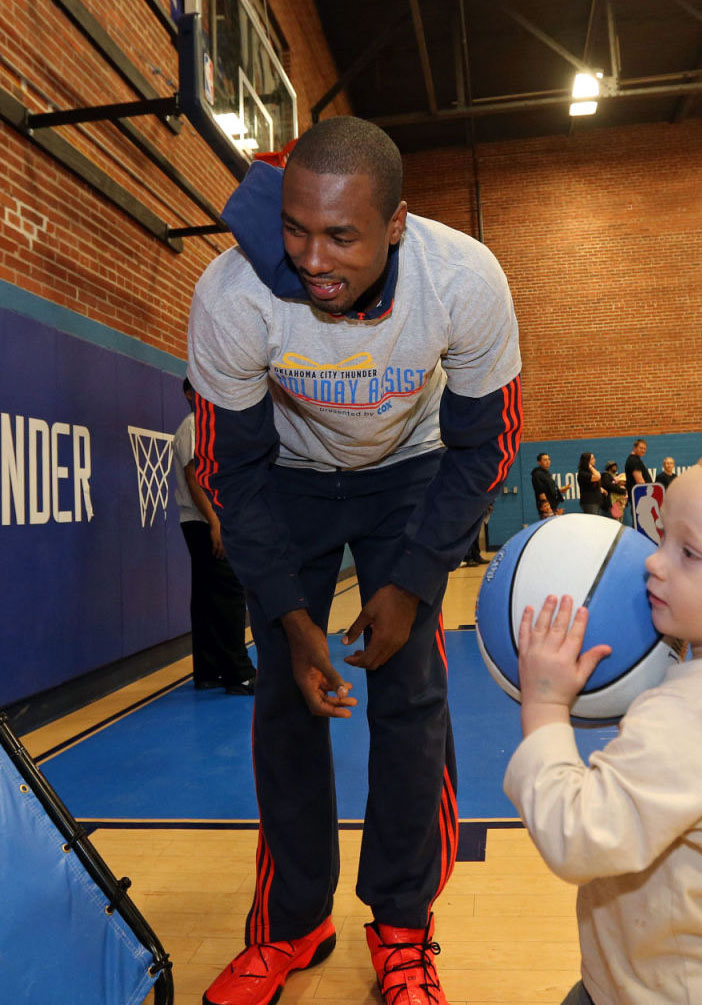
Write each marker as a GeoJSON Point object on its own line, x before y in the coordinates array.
{"type": "Point", "coordinates": [600, 572]}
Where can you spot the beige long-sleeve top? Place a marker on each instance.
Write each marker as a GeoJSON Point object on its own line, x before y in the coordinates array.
{"type": "Point", "coordinates": [627, 828]}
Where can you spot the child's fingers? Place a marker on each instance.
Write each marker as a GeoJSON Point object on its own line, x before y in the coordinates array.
{"type": "Point", "coordinates": [543, 619]}
{"type": "Point", "coordinates": [589, 660]}
{"type": "Point", "coordinates": [562, 618]}
{"type": "Point", "coordinates": [573, 642]}
{"type": "Point", "coordinates": [525, 629]}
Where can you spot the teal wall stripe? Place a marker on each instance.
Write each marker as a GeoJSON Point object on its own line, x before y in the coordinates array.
{"type": "Point", "coordinates": [14, 298]}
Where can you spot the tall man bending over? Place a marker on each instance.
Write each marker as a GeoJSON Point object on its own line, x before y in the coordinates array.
{"type": "Point", "coordinates": [358, 381]}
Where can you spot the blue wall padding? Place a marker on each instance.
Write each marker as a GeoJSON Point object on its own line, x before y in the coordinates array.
{"type": "Point", "coordinates": [57, 943]}
{"type": "Point", "coordinates": [81, 593]}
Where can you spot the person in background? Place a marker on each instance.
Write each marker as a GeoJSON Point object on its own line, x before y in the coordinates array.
{"type": "Point", "coordinates": [667, 475]}
{"type": "Point", "coordinates": [589, 483]}
{"type": "Point", "coordinates": [548, 496]}
{"type": "Point", "coordinates": [612, 483]}
{"type": "Point", "coordinates": [636, 471]}
{"type": "Point", "coordinates": [474, 558]}
{"type": "Point", "coordinates": [217, 604]}
{"type": "Point", "coordinates": [627, 826]}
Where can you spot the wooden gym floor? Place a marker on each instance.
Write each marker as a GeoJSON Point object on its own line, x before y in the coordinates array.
{"type": "Point", "coordinates": [506, 925]}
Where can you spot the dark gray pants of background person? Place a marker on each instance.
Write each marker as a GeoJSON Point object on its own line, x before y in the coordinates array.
{"type": "Point", "coordinates": [217, 613]}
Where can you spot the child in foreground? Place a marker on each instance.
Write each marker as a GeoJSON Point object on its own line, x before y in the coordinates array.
{"type": "Point", "coordinates": [627, 827]}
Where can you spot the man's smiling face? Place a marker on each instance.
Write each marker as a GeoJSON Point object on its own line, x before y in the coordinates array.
{"type": "Point", "coordinates": [336, 236]}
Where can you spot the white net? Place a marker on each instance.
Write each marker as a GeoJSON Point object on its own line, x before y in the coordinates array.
{"type": "Point", "coordinates": [153, 454]}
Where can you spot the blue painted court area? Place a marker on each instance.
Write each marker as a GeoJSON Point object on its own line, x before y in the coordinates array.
{"type": "Point", "coordinates": [187, 755]}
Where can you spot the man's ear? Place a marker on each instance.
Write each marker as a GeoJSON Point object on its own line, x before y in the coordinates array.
{"type": "Point", "coordinates": [396, 227]}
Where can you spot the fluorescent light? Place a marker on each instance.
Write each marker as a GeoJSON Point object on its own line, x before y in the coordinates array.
{"type": "Point", "coordinates": [585, 85]}
{"type": "Point", "coordinates": [583, 108]}
{"type": "Point", "coordinates": [230, 123]}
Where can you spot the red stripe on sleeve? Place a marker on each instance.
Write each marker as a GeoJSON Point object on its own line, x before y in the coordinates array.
{"type": "Point", "coordinates": [508, 440]}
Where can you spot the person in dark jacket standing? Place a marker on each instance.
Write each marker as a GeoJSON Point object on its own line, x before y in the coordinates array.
{"type": "Point", "coordinates": [549, 498]}
{"type": "Point", "coordinates": [636, 471]}
{"type": "Point", "coordinates": [592, 495]}
{"type": "Point", "coordinates": [357, 377]}
{"type": "Point", "coordinates": [217, 605]}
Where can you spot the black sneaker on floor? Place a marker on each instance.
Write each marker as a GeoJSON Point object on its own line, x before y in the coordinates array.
{"type": "Point", "coordinates": [246, 687]}
{"type": "Point", "coordinates": [207, 685]}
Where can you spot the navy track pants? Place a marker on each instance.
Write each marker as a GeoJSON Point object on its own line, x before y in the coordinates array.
{"type": "Point", "coordinates": [411, 827]}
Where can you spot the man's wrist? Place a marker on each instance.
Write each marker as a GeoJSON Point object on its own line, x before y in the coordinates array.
{"type": "Point", "coordinates": [294, 622]}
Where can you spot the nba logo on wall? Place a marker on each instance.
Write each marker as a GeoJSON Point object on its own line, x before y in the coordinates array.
{"type": "Point", "coordinates": [646, 503]}
{"type": "Point", "coordinates": [153, 455]}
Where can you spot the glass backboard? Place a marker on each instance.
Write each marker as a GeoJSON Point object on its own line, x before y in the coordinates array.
{"type": "Point", "coordinates": [232, 81]}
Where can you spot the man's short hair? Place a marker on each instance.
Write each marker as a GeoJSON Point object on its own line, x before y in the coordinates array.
{"type": "Point", "coordinates": [539, 456]}
{"type": "Point", "coordinates": [637, 442]}
{"type": "Point", "coordinates": [346, 145]}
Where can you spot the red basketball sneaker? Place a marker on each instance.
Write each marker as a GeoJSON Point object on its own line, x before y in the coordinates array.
{"type": "Point", "coordinates": [257, 975]}
{"type": "Point", "coordinates": [402, 958]}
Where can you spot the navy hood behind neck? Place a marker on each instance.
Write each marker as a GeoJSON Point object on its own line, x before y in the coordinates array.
{"type": "Point", "coordinates": [253, 214]}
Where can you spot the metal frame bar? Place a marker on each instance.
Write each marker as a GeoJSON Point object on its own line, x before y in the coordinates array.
{"type": "Point", "coordinates": [614, 56]}
{"type": "Point", "coordinates": [473, 150]}
{"type": "Point", "coordinates": [111, 52]}
{"type": "Point", "coordinates": [543, 37]}
{"type": "Point", "coordinates": [689, 8]}
{"type": "Point", "coordinates": [168, 169]}
{"type": "Point", "coordinates": [165, 19]}
{"type": "Point", "coordinates": [370, 51]}
{"type": "Point", "coordinates": [205, 228]}
{"type": "Point", "coordinates": [423, 55]}
{"type": "Point", "coordinates": [92, 861]}
{"type": "Point", "coordinates": [498, 106]}
{"type": "Point", "coordinates": [588, 33]}
{"type": "Point", "coordinates": [65, 153]}
{"type": "Point", "coordinates": [98, 113]}
{"type": "Point", "coordinates": [459, 71]}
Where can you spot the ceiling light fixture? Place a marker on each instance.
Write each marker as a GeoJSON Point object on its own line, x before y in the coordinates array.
{"type": "Point", "coordinates": [230, 123]}
{"type": "Point", "coordinates": [585, 85]}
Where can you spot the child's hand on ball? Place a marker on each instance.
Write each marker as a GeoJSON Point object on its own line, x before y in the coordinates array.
{"type": "Point", "coordinates": [552, 670]}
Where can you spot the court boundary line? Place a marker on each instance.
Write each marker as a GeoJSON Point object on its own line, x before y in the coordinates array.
{"type": "Point", "coordinates": [189, 823]}
{"type": "Point", "coordinates": [472, 834]}
{"type": "Point", "coordinates": [98, 726]}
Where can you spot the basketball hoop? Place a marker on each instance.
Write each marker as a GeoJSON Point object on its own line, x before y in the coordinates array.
{"type": "Point", "coordinates": [153, 454]}
{"type": "Point", "coordinates": [278, 158]}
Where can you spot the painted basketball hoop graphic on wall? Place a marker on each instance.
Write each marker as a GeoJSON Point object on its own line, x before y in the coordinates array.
{"type": "Point", "coordinates": [153, 455]}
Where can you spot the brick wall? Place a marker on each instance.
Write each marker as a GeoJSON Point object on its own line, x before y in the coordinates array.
{"type": "Point", "coordinates": [62, 240]}
{"type": "Point", "coordinates": [600, 235]}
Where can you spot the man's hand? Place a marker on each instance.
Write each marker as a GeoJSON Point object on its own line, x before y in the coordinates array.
{"type": "Point", "coordinates": [552, 670]}
{"type": "Point", "coordinates": [313, 670]}
{"type": "Point", "coordinates": [216, 539]}
{"type": "Point", "coordinates": [390, 613]}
